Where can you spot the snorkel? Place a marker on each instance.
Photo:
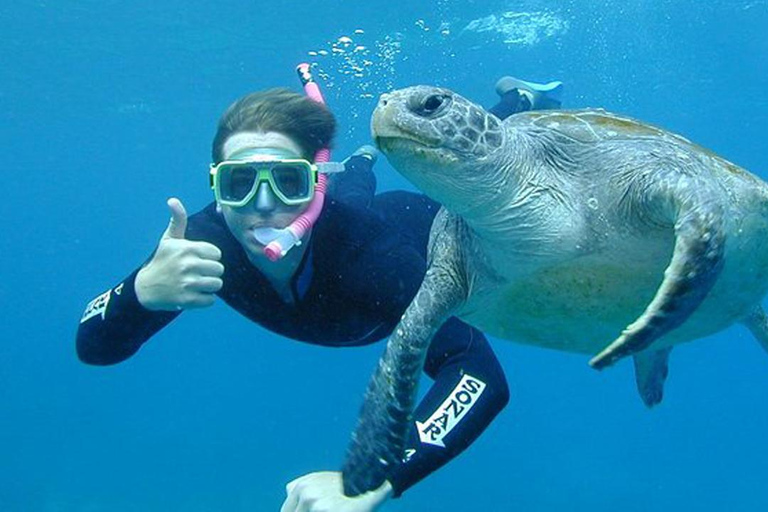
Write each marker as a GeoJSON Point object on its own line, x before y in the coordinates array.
{"type": "Point", "coordinates": [291, 235]}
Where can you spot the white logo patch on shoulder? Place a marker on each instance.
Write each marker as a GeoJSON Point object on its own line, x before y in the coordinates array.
{"type": "Point", "coordinates": [463, 397]}
{"type": "Point", "coordinates": [97, 307]}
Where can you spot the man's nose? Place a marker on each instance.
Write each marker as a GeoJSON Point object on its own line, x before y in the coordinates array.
{"type": "Point", "coordinates": [264, 201]}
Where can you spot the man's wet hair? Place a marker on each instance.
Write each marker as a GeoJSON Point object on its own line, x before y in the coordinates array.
{"type": "Point", "coordinates": [279, 110]}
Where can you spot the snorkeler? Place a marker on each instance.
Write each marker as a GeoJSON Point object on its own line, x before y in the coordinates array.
{"type": "Point", "coordinates": [360, 262]}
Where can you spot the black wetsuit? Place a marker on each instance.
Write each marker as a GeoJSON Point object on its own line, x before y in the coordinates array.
{"type": "Point", "coordinates": [360, 271]}
{"type": "Point", "coordinates": [365, 261]}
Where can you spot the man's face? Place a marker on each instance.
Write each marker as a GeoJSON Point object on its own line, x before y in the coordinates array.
{"type": "Point", "coordinates": [265, 209]}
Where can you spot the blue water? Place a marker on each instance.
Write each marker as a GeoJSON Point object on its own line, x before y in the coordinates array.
{"type": "Point", "coordinates": [108, 107]}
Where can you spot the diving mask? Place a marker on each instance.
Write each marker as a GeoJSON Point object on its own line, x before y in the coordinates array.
{"type": "Point", "coordinates": [236, 181]}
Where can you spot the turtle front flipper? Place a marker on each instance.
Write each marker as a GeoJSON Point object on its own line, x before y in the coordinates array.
{"type": "Point", "coordinates": [757, 323]}
{"type": "Point", "coordinates": [378, 441]}
{"type": "Point", "coordinates": [651, 370]}
{"type": "Point", "coordinates": [696, 263]}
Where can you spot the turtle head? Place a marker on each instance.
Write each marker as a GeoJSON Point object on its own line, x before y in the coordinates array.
{"type": "Point", "coordinates": [435, 138]}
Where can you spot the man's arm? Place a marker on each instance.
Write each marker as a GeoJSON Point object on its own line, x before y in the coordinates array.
{"type": "Point", "coordinates": [115, 325]}
{"type": "Point", "coordinates": [181, 274]}
{"type": "Point", "coordinates": [469, 386]}
{"type": "Point", "coordinates": [385, 273]}
{"type": "Point", "coordinates": [469, 390]}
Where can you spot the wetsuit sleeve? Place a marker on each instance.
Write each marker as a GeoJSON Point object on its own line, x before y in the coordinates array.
{"type": "Point", "coordinates": [469, 390]}
{"type": "Point", "coordinates": [469, 386]}
{"type": "Point", "coordinates": [356, 186]}
{"type": "Point", "coordinates": [115, 325]}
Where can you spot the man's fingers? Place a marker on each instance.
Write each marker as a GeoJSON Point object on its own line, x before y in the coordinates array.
{"type": "Point", "coordinates": [207, 285]}
{"type": "Point", "coordinates": [205, 268]}
{"type": "Point", "coordinates": [206, 250]}
{"type": "Point", "coordinates": [177, 227]}
{"type": "Point", "coordinates": [290, 503]}
{"type": "Point", "coordinates": [290, 485]}
{"type": "Point", "coordinates": [199, 250]}
{"type": "Point", "coordinates": [199, 300]}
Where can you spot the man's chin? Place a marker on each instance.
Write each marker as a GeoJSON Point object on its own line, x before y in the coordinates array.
{"type": "Point", "coordinates": [251, 246]}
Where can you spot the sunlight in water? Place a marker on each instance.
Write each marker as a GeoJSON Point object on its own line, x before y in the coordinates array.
{"type": "Point", "coordinates": [520, 28]}
{"type": "Point", "coordinates": [363, 63]}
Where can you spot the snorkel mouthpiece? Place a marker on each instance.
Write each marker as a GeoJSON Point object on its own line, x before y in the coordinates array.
{"type": "Point", "coordinates": [279, 237]}
{"type": "Point", "coordinates": [293, 234]}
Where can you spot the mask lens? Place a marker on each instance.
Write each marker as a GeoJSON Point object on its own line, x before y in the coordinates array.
{"type": "Point", "coordinates": [292, 180]}
{"type": "Point", "coordinates": [236, 182]}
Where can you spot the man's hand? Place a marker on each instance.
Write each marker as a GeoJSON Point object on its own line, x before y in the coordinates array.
{"type": "Point", "coordinates": [324, 492]}
{"type": "Point", "coordinates": [182, 274]}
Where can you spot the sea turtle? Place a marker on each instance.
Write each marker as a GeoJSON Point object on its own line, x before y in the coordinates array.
{"type": "Point", "coordinates": [564, 230]}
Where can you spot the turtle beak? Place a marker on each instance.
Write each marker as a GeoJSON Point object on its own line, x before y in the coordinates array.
{"type": "Point", "coordinates": [387, 123]}
{"type": "Point", "coordinates": [383, 122]}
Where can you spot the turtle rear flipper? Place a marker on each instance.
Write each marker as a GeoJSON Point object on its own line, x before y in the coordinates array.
{"type": "Point", "coordinates": [696, 263]}
{"type": "Point", "coordinates": [651, 370]}
{"type": "Point", "coordinates": [757, 323]}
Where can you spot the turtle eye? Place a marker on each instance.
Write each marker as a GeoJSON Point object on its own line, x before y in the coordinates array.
{"type": "Point", "coordinates": [432, 104]}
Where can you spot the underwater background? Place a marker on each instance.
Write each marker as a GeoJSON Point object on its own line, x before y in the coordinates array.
{"type": "Point", "coordinates": [109, 107]}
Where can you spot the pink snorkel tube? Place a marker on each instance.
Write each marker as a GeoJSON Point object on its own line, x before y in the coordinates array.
{"type": "Point", "coordinates": [293, 234]}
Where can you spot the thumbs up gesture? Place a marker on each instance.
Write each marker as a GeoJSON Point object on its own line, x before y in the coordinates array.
{"type": "Point", "coordinates": [183, 273]}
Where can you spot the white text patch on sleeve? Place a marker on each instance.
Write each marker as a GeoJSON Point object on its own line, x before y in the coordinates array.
{"type": "Point", "coordinates": [463, 397]}
{"type": "Point", "coordinates": [97, 307]}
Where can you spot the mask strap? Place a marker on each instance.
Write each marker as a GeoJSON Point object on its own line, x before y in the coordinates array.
{"type": "Point", "coordinates": [330, 167]}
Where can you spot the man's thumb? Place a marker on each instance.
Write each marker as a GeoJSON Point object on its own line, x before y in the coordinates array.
{"type": "Point", "coordinates": [178, 224]}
